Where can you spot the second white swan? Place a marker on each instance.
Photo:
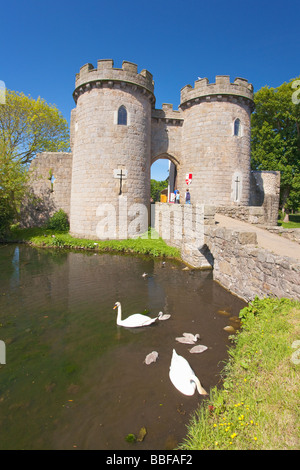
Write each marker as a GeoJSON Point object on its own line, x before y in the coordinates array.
{"type": "Point", "coordinates": [183, 377]}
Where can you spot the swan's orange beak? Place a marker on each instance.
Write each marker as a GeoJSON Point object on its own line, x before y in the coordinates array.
{"type": "Point", "coordinates": [115, 307]}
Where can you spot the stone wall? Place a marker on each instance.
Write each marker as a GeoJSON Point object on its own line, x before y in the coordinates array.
{"type": "Point", "coordinates": [246, 270]}
{"type": "Point", "coordinates": [166, 134]}
{"type": "Point", "coordinates": [185, 226]}
{"type": "Point", "coordinates": [292, 234]}
{"type": "Point", "coordinates": [265, 192]}
{"type": "Point", "coordinates": [237, 262]}
{"type": "Point", "coordinates": [252, 214]}
{"type": "Point", "coordinates": [47, 196]}
{"type": "Point", "coordinates": [264, 200]}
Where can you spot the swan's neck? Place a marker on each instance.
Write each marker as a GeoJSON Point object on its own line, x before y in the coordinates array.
{"type": "Point", "coordinates": [199, 386]}
{"type": "Point", "coordinates": [119, 316]}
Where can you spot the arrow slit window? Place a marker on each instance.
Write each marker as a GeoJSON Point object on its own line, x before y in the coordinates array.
{"type": "Point", "coordinates": [122, 116]}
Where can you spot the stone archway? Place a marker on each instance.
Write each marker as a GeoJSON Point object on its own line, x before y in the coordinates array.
{"type": "Point", "coordinates": [173, 170]}
{"type": "Point", "coordinates": [166, 156]}
{"type": "Point", "coordinates": [172, 177]}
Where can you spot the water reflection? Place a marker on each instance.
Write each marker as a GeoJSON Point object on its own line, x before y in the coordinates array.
{"type": "Point", "coordinates": [78, 378]}
{"type": "Point", "coordinates": [15, 278]}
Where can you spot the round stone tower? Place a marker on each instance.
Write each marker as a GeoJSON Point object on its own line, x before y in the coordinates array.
{"type": "Point", "coordinates": [216, 140]}
{"type": "Point", "coordinates": [111, 144]}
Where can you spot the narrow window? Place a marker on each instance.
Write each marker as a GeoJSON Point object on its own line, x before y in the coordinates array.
{"type": "Point", "coordinates": [122, 116]}
{"type": "Point", "coordinates": [237, 127]}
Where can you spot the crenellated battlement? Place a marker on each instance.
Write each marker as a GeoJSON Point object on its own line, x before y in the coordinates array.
{"type": "Point", "coordinates": [168, 114]}
{"type": "Point", "coordinates": [240, 88]}
{"type": "Point", "coordinates": [106, 75]}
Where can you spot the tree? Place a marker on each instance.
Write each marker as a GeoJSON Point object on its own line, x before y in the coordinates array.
{"type": "Point", "coordinates": [156, 188]}
{"type": "Point", "coordinates": [276, 138]}
{"type": "Point", "coordinates": [13, 185]}
{"type": "Point", "coordinates": [29, 126]}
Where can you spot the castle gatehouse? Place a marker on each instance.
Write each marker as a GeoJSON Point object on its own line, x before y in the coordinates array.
{"type": "Point", "coordinates": [117, 133]}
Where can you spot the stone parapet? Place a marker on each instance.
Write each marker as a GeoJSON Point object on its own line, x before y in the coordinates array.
{"type": "Point", "coordinates": [248, 270]}
{"type": "Point", "coordinates": [106, 75]}
{"type": "Point", "coordinates": [292, 234]}
{"type": "Point", "coordinates": [252, 214]}
{"type": "Point", "coordinates": [168, 114]}
{"type": "Point", "coordinates": [240, 89]}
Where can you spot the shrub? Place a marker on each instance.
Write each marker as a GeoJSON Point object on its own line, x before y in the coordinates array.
{"type": "Point", "coordinates": [59, 221]}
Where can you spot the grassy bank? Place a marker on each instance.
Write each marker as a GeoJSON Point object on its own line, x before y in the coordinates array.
{"type": "Point", "coordinates": [258, 405]}
{"type": "Point", "coordinates": [294, 221]}
{"type": "Point", "coordinates": [149, 244]}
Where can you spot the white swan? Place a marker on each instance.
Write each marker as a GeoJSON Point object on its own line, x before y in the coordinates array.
{"type": "Point", "coordinates": [183, 377]}
{"type": "Point", "coordinates": [134, 321]}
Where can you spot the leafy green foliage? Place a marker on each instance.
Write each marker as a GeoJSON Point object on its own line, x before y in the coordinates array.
{"type": "Point", "coordinates": [294, 221]}
{"type": "Point", "coordinates": [29, 126]}
{"type": "Point", "coordinates": [276, 139]}
{"type": "Point", "coordinates": [6, 217]}
{"type": "Point", "coordinates": [59, 221]}
{"type": "Point", "coordinates": [13, 186]}
{"type": "Point", "coordinates": [156, 188]}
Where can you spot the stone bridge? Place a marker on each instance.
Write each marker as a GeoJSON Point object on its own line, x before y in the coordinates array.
{"type": "Point", "coordinates": [246, 259]}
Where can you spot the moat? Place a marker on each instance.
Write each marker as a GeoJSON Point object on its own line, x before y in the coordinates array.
{"type": "Point", "coordinates": [73, 379]}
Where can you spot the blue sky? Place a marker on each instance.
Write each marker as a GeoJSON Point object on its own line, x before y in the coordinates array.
{"type": "Point", "coordinates": [44, 43]}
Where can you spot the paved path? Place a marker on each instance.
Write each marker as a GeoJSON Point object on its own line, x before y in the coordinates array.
{"type": "Point", "coordinates": [270, 241]}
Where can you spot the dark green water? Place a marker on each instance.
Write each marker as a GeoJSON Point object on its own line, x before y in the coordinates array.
{"type": "Point", "coordinates": [73, 379]}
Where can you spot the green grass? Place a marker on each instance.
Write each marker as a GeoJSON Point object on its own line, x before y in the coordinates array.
{"type": "Point", "coordinates": [294, 221]}
{"type": "Point", "coordinates": [148, 244]}
{"type": "Point", "coordinates": [258, 404]}
{"type": "Point", "coordinates": [289, 224]}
